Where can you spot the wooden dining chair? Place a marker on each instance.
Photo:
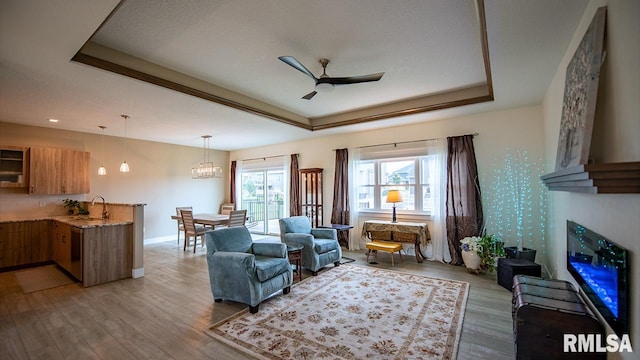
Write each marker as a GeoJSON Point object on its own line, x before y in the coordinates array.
{"type": "Point", "coordinates": [237, 218]}
{"type": "Point", "coordinates": [227, 208]}
{"type": "Point", "coordinates": [179, 214]}
{"type": "Point", "coordinates": [192, 229]}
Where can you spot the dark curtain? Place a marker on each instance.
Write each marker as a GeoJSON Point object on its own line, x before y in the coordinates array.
{"type": "Point", "coordinates": [232, 184]}
{"type": "Point", "coordinates": [295, 205]}
{"type": "Point", "coordinates": [464, 205]}
{"type": "Point", "coordinates": [340, 212]}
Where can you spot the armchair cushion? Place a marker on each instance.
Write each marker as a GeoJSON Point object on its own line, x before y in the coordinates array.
{"type": "Point", "coordinates": [322, 246]}
{"type": "Point", "coordinates": [268, 267]}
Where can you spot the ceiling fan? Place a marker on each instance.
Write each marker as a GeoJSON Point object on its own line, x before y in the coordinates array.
{"type": "Point", "coordinates": [326, 82]}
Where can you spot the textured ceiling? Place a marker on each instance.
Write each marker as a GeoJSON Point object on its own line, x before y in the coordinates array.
{"type": "Point", "coordinates": [424, 48]}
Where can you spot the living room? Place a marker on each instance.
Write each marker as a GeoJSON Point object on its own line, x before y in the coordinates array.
{"type": "Point", "coordinates": [160, 172]}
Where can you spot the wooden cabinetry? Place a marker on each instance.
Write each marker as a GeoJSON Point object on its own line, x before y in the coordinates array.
{"type": "Point", "coordinates": [107, 254]}
{"type": "Point", "coordinates": [311, 195]}
{"type": "Point", "coordinates": [58, 171]}
{"type": "Point", "coordinates": [13, 166]}
{"type": "Point", "coordinates": [15, 244]}
{"type": "Point", "coordinates": [62, 245]}
{"type": "Point", "coordinates": [41, 244]}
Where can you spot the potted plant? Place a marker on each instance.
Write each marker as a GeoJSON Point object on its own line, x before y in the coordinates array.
{"type": "Point", "coordinates": [74, 207]}
{"type": "Point", "coordinates": [479, 253]}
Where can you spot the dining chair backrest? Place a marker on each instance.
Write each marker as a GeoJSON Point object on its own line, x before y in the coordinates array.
{"type": "Point", "coordinates": [179, 213]}
{"type": "Point", "coordinates": [227, 208]}
{"type": "Point", "coordinates": [237, 218]}
{"type": "Point", "coordinates": [187, 221]}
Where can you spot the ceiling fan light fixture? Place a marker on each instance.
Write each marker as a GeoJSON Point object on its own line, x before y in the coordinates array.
{"type": "Point", "coordinates": [324, 87]}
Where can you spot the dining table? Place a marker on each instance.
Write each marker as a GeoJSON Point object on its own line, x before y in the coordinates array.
{"type": "Point", "coordinates": [207, 219]}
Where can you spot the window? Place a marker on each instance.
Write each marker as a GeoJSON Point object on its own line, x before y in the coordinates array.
{"type": "Point", "coordinates": [410, 175]}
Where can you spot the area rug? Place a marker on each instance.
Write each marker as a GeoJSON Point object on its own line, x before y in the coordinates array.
{"type": "Point", "coordinates": [41, 278]}
{"type": "Point", "coordinates": [354, 312]}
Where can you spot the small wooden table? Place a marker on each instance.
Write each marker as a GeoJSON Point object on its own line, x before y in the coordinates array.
{"type": "Point", "coordinates": [207, 219]}
{"type": "Point", "coordinates": [422, 236]}
{"type": "Point", "coordinates": [294, 252]}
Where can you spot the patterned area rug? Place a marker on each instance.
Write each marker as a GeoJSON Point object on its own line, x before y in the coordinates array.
{"type": "Point", "coordinates": [354, 312]}
{"type": "Point", "coordinates": [41, 278]}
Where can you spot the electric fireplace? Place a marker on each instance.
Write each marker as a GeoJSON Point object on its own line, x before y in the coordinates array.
{"type": "Point", "coordinates": [602, 269]}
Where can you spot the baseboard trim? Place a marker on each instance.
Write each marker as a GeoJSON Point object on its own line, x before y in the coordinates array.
{"type": "Point", "coordinates": [137, 273]}
{"type": "Point", "coordinates": [159, 239]}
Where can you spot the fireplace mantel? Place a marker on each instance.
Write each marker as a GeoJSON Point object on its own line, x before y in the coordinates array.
{"type": "Point", "coordinates": [610, 178]}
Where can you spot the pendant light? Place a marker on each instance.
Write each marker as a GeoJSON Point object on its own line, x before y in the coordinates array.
{"type": "Point", "coordinates": [101, 170]}
{"type": "Point", "coordinates": [206, 169]}
{"type": "Point", "coordinates": [124, 167]}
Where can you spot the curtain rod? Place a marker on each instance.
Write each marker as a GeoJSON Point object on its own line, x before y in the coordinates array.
{"type": "Point", "coordinates": [401, 142]}
{"type": "Point", "coordinates": [267, 157]}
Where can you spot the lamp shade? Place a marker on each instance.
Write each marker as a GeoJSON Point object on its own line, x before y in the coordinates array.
{"type": "Point", "coordinates": [393, 196]}
{"type": "Point", "coordinates": [124, 167]}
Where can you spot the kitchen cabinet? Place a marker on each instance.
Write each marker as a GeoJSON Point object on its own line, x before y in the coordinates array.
{"type": "Point", "coordinates": [13, 166]}
{"type": "Point", "coordinates": [41, 244]}
{"type": "Point", "coordinates": [62, 245]}
{"type": "Point", "coordinates": [59, 171]}
{"type": "Point", "coordinates": [15, 243]}
{"type": "Point", "coordinates": [107, 254]}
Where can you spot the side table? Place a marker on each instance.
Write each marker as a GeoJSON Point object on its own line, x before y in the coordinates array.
{"type": "Point", "coordinates": [294, 252]}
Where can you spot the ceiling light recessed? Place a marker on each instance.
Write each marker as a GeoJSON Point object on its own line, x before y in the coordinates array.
{"type": "Point", "coordinates": [53, 120]}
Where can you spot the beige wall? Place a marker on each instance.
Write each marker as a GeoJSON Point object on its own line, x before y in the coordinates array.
{"type": "Point", "coordinates": [160, 176]}
{"type": "Point", "coordinates": [499, 133]}
{"type": "Point", "coordinates": [615, 135]}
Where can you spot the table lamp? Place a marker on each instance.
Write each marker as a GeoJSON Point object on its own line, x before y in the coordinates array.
{"type": "Point", "coordinates": [393, 196]}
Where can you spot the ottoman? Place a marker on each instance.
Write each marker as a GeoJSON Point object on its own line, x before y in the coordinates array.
{"type": "Point", "coordinates": [508, 268]}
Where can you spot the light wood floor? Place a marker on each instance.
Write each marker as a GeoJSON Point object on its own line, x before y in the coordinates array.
{"type": "Point", "coordinates": [163, 314]}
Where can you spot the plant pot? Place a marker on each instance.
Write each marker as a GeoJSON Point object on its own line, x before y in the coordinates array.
{"type": "Point", "coordinates": [471, 260]}
{"type": "Point", "coordinates": [512, 252]}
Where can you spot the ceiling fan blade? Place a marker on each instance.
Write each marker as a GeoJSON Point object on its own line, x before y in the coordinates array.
{"type": "Point", "coordinates": [351, 79]}
{"type": "Point", "coordinates": [310, 95]}
{"type": "Point", "coordinates": [294, 63]}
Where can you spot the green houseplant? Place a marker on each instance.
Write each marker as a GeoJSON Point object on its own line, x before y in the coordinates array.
{"type": "Point", "coordinates": [74, 207]}
{"type": "Point", "coordinates": [479, 253]}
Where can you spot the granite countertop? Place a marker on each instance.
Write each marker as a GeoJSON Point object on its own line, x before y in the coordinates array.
{"type": "Point", "coordinates": [79, 221]}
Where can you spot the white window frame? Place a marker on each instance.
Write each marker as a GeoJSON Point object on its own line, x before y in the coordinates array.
{"type": "Point", "coordinates": [418, 186]}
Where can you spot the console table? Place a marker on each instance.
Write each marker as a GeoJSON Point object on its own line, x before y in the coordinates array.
{"type": "Point", "coordinates": [421, 231]}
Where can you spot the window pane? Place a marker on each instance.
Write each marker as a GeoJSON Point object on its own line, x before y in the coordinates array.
{"type": "Point", "coordinates": [397, 172]}
{"type": "Point", "coordinates": [408, 197]}
{"type": "Point", "coordinates": [366, 173]}
{"type": "Point", "coordinates": [365, 198]}
{"type": "Point", "coordinates": [427, 199]}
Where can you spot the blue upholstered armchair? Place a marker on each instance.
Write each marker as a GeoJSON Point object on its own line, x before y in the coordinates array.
{"type": "Point", "coordinates": [243, 271]}
{"type": "Point", "coordinates": [320, 245]}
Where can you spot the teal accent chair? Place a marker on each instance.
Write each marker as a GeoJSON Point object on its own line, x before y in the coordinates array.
{"type": "Point", "coordinates": [243, 271]}
{"type": "Point", "coordinates": [321, 246]}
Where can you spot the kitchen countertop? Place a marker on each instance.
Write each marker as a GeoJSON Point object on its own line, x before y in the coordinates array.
{"type": "Point", "coordinates": [78, 221]}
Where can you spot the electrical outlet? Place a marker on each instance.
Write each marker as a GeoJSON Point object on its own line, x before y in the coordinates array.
{"type": "Point", "coordinates": [42, 203]}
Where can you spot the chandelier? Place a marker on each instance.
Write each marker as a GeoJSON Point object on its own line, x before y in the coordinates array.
{"type": "Point", "coordinates": [206, 169]}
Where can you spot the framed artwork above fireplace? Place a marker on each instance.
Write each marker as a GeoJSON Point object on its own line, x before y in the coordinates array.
{"type": "Point", "coordinates": [580, 95]}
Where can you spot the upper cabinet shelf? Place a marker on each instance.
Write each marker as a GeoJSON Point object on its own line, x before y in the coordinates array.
{"type": "Point", "coordinates": [611, 178]}
{"type": "Point", "coordinates": [13, 166]}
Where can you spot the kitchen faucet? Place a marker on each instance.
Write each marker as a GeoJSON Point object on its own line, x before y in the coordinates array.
{"type": "Point", "coordinates": [105, 213]}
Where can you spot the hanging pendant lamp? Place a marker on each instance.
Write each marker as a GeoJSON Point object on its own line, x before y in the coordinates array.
{"type": "Point", "coordinates": [206, 169]}
{"type": "Point", "coordinates": [101, 170]}
{"type": "Point", "coordinates": [124, 167]}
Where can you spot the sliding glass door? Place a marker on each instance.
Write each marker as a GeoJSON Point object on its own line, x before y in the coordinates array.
{"type": "Point", "coordinates": [263, 195]}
